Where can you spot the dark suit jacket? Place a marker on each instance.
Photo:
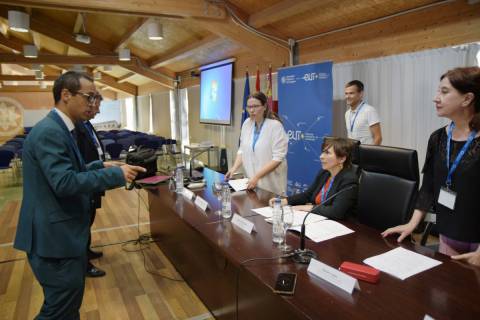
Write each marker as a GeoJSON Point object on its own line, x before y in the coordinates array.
{"type": "Point", "coordinates": [89, 152]}
{"type": "Point", "coordinates": [54, 218]}
{"type": "Point", "coordinates": [337, 208]}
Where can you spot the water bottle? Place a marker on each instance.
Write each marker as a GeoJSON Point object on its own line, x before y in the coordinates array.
{"type": "Point", "coordinates": [226, 202]}
{"type": "Point", "coordinates": [179, 179]}
{"type": "Point", "coordinates": [277, 231]}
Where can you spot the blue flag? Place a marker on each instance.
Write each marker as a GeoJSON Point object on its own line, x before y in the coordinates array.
{"type": "Point", "coordinates": [246, 93]}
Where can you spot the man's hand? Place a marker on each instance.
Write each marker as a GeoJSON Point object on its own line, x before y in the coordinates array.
{"type": "Point", "coordinates": [110, 164]}
{"type": "Point", "coordinates": [130, 172]}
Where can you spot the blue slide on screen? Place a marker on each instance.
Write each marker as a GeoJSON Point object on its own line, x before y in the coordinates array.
{"type": "Point", "coordinates": [216, 94]}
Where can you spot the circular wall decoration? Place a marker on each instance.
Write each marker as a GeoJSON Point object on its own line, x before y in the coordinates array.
{"type": "Point", "coordinates": [11, 117]}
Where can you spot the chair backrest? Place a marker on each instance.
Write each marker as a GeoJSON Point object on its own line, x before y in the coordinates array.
{"type": "Point", "coordinates": [5, 157]}
{"type": "Point", "coordinates": [388, 185]}
{"type": "Point", "coordinates": [9, 147]}
{"type": "Point", "coordinates": [114, 150]}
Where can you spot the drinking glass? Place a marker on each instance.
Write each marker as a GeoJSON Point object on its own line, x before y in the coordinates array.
{"type": "Point", "coordinates": [217, 191]}
{"type": "Point", "coordinates": [287, 221]}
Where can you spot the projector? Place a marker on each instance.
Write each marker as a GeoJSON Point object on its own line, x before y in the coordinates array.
{"type": "Point", "coordinates": [83, 38]}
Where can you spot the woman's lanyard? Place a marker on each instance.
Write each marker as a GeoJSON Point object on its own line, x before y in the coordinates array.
{"type": "Point", "coordinates": [256, 133]}
{"type": "Point", "coordinates": [352, 121]}
{"type": "Point", "coordinates": [323, 192]}
{"type": "Point", "coordinates": [460, 154]}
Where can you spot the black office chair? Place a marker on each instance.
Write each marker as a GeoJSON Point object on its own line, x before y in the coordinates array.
{"type": "Point", "coordinates": [388, 185]}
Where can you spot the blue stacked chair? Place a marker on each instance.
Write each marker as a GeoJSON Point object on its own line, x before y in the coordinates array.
{"type": "Point", "coordinates": [106, 142]}
{"type": "Point", "coordinates": [140, 141]}
{"type": "Point", "coordinates": [6, 157]}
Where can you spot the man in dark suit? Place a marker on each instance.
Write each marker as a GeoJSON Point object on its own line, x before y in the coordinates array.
{"type": "Point", "coordinates": [53, 226]}
{"type": "Point", "coordinates": [91, 149]}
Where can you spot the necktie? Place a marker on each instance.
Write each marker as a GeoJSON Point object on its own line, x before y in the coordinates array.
{"type": "Point", "coordinates": [89, 127]}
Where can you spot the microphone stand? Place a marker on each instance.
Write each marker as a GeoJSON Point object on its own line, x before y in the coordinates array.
{"type": "Point", "coordinates": [303, 255]}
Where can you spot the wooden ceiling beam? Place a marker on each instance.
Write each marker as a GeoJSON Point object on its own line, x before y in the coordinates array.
{"type": "Point", "coordinates": [182, 8]}
{"type": "Point", "coordinates": [12, 43]}
{"type": "Point", "coordinates": [97, 47]}
{"type": "Point", "coordinates": [106, 78]}
{"type": "Point", "coordinates": [185, 52]}
{"type": "Point", "coordinates": [280, 11]}
{"type": "Point", "coordinates": [268, 50]}
{"type": "Point", "coordinates": [65, 60]}
{"type": "Point", "coordinates": [125, 77]}
{"type": "Point", "coordinates": [8, 77]}
{"type": "Point", "coordinates": [25, 89]}
{"type": "Point", "coordinates": [138, 24]}
{"type": "Point", "coordinates": [113, 83]}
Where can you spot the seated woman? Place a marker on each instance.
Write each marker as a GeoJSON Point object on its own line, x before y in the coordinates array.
{"type": "Point", "coordinates": [337, 174]}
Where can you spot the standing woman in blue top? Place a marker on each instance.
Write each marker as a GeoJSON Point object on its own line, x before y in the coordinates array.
{"type": "Point", "coordinates": [451, 175]}
{"type": "Point", "coordinates": [263, 148]}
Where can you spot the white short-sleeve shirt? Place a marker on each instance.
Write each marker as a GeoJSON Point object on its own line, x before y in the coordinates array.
{"type": "Point", "coordinates": [272, 144]}
{"type": "Point", "coordinates": [367, 117]}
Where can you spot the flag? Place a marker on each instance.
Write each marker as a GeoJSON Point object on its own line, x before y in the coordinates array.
{"type": "Point", "coordinates": [269, 89]}
{"type": "Point", "coordinates": [246, 93]}
{"type": "Point", "coordinates": [257, 82]}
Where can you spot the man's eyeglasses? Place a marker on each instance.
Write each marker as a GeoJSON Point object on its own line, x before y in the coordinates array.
{"type": "Point", "coordinates": [91, 98]}
{"type": "Point", "coordinates": [254, 106]}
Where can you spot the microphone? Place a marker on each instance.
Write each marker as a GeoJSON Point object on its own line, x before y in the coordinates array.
{"type": "Point", "coordinates": [303, 255]}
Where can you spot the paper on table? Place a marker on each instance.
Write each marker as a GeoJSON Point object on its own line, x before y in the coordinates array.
{"type": "Point", "coordinates": [324, 230]}
{"type": "Point", "coordinates": [401, 263]}
{"type": "Point", "coordinates": [298, 216]}
{"type": "Point", "coordinates": [238, 184]}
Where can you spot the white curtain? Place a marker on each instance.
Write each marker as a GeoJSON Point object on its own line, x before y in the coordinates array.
{"type": "Point", "coordinates": [401, 88]}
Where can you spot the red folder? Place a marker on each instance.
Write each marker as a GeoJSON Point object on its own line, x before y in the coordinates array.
{"type": "Point", "coordinates": [154, 180]}
{"type": "Point", "coordinates": [360, 271]}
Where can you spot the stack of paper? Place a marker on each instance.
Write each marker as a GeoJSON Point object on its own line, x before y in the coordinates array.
{"type": "Point", "coordinates": [238, 184]}
{"type": "Point", "coordinates": [402, 263]}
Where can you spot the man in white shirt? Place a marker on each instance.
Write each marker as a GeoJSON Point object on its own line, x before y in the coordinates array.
{"type": "Point", "coordinates": [361, 119]}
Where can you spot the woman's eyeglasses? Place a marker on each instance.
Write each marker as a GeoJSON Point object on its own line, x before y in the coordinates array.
{"type": "Point", "coordinates": [254, 106]}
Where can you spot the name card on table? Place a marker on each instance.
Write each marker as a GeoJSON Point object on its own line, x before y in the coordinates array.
{"type": "Point", "coordinates": [188, 194]}
{"type": "Point", "coordinates": [333, 276]}
{"type": "Point", "coordinates": [243, 223]}
{"type": "Point", "coordinates": [201, 203]}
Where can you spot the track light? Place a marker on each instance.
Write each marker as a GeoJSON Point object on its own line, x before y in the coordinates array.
{"type": "Point", "coordinates": [124, 54]}
{"type": "Point", "coordinates": [43, 85]}
{"type": "Point", "coordinates": [30, 51]}
{"type": "Point", "coordinates": [18, 21]}
{"type": "Point", "coordinates": [37, 67]}
{"type": "Point", "coordinates": [154, 31]}
{"type": "Point", "coordinates": [107, 68]}
{"type": "Point", "coordinates": [97, 75]}
{"type": "Point", "coordinates": [39, 75]}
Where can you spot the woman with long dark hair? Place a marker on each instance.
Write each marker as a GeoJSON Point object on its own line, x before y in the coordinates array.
{"type": "Point", "coordinates": [451, 175]}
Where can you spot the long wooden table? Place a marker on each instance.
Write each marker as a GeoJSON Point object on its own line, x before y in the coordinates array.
{"type": "Point", "coordinates": [208, 251]}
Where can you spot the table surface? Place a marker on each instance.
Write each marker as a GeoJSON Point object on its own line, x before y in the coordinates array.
{"type": "Point", "coordinates": [450, 290]}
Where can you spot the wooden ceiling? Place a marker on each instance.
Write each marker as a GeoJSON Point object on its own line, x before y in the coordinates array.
{"type": "Point", "coordinates": [196, 32]}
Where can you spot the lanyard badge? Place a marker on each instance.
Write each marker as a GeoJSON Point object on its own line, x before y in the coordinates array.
{"type": "Point", "coordinates": [352, 121]}
{"type": "Point", "coordinates": [447, 196]}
